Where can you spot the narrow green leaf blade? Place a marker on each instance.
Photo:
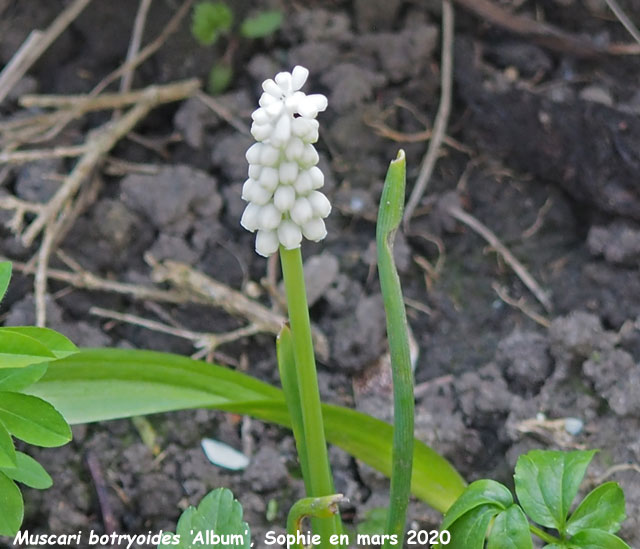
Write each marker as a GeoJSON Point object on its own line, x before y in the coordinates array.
{"type": "Point", "coordinates": [11, 507]}
{"type": "Point", "coordinates": [5, 277]}
{"type": "Point", "coordinates": [101, 384]}
{"type": "Point", "coordinates": [597, 539]}
{"type": "Point", "coordinates": [602, 508]}
{"type": "Point", "coordinates": [483, 492]}
{"type": "Point", "coordinates": [510, 530]}
{"type": "Point", "coordinates": [28, 472]}
{"type": "Point", "coordinates": [218, 513]}
{"type": "Point", "coordinates": [469, 531]}
{"type": "Point", "coordinates": [547, 481]}
{"type": "Point", "coordinates": [33, 420]}
{"type": "Point", "coordinates": [18, 350]}
{"type": "Point", "coordinates": [7, 449]}
{"type": "Point", "coordinates": [389, 217]}
{"type": "Point", "coordinates": [16, 379]}
{"type": "Point", "coordinates": [58, 344]}
{"type": "Point", "coordinates": [263, 24]}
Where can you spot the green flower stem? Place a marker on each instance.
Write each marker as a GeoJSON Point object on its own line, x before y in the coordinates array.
{"type": "Point", "coordinates": [544, 536]}
{"type": "Point", "coordinates": [321, 481]}
{"type": "Point", "coordinates": [389, 218]}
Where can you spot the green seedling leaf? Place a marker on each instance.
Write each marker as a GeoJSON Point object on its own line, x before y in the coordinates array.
{"type": "Point", "coordinates": [16, 379]}
{"type": "Point", "coordinates": [11, 507]}
{"type": "Point", "coordinates": [510, 530]}
{"type": "Point", "coordinates": [7, 449]}
{"type": "Point", "coordinates": [217, 514]}
{"type": "Point", "coordinates": [546, 483]}
{"type": "Point", "coordinates": [484, 492]}
{"type": "Point", "coordinates": [102, 384]}
{"type": "Point", "coordinates": [602, 508]}
{"type": "Point", "coordinates": [5, 277]}
{"type": "Point", "coordinates": [18, 350]}
{"type": "Point", "coordinates": [28, 472]}
{"type": "Point", "coordinates": [469, 531]}
{"type": "Point", "coordinates": [210, 19]}
{"type": "Point", "coordinates": [597, 539]}
{"type": "Point", "coordinates": [58, 344]}
{"type": "Point", "coordinates": [33, 420]}
{"type": "Point", "coordinates": [263, 24]}
{"type": "Point", "coordinates": [220, 77]}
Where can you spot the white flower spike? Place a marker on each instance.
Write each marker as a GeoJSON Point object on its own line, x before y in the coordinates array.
{"type": "Point", "coordinates": [282, 189]}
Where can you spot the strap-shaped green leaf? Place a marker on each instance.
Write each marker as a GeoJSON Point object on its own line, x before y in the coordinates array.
{"type": "Point", "coordinates": [101, 384]}
{"type": "Point", "coordinates": [510, 530]}
{"type": "Point", "coordinates": [11, 507]}
{"type": "Point", "coordinates": [547, 481]}
{"type": "Point", "coordinates": [483, 492]}
{"type": "Point", "coordinates": [7, 449]}
{"type": "Point", "coordinates": [58, 344]}
{"type": "Point", "coordinates": [602, 508]}
{"type": "Point", "coordinates": [16, 379]}
{"type": "Point", "coordinates": [33, 420]}
{"type": "Point", "coordinates": [28, 472]}
{"type": "Point", "coordinates": [597, 539]}
{"type": "Point", "coordinates": [18, 350]}
{"type": "Point", "coordinates": [5, 277]}
{"type": "Point", "coordinates": [218, 514]}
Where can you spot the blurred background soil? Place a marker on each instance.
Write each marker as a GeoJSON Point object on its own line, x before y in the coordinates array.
{"type": "Point", "coordinates": [541, 148]}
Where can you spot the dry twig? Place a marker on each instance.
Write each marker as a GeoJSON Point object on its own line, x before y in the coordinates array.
{"type": "Point", "coordinates": [520, 270]}
{"type": "Point", "coordinates": [624, 19]}
{"type": "Point", "coordinates": [99, 143]}
{"type": "Point", "coordinates": [35, 45]}
{"type": "Point", "coordinates": [442, 117]}
{"type": "Point", "coordinates": [520, 304]}
{"type": "Point", "coordinates": [134, 44]}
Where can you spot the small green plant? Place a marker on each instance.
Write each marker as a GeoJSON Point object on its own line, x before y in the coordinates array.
{"type": "Point", "coordinates": [546, 483]}
{"type": "Point", "coordinates": [214, 20]}
{"type": "Point", "coordinates": [24, 355]}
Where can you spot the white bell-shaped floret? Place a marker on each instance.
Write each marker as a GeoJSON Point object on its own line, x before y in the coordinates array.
{"type": "Point", "coordinates": [254, 153]}
{"type": "Point", "coordinates": [267, 99]}
{"type": "Point", "coordinates": [294, 148]}
{"type": "Point", "coordinates": [283, 79]}
{"type": "Point", "coordinates": [289, 234]}
{"type": "Point", "coordinates": [317, 177]}
{"type": "Point", "coordinates": [255, 193]}
{"type": "Point", "coordinates": [251, 217]}
{"type": "Point", "coordinates": [255, 170]}
{"type": "Point", "coordinates": [299, 76]}
{"type": "Point", "coordinates": [284, 198]}
{"type": "Point", "coordinates": [267, 243]}
{"type": "Point", "coordinates": [270, 87]}
{"type": "Point", "coordinates": [269, 178]}
{"type": "Point", "coordinates": [309, 156]}
{"type": "Point", "coordinates": [302, 211]}
{"type": "Point", "coordinates": [319, 204]}
{"type": "Point", "coordinates": [260, 131]}
{"type": "Point", "coordinates": [260, 116]}
{"type": "Point", "coordinates": [270, 217]}
{"type": "Point", "coordinates": [314, 229]}
{"type": "Point", "coordinates": [288, 172]}
{"type": "Point", "coordinates": [269, 155]}
{"type": "Point", "coordinates": [281, 131]}
{"type": "Point", "coordinates": [303, 183]}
